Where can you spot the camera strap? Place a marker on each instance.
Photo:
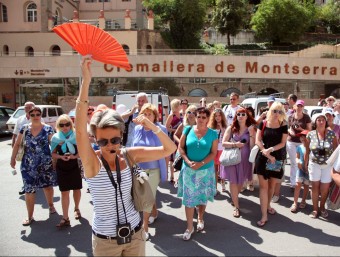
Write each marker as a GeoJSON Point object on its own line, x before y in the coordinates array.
{"type": "Point", "coordinates": [324, 139]}
{"type": "Point", "coordinates": [119, 180]}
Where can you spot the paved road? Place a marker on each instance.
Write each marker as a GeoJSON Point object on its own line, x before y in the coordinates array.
{"type": "Point", "coordinates": [285, 234]}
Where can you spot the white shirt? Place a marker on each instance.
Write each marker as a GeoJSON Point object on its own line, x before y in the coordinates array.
{"type": "Point", "coordinates": [336, 118]}
{"type": "Point", "coordinates": [21, 121]}
{"type": "Point", "coordinates": [337, 165]}
{"type": "Point", "coordinates": [230, 114]}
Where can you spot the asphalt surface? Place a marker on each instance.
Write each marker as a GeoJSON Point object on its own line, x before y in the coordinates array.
{"type": "Point", "coordinates": [286, 234]}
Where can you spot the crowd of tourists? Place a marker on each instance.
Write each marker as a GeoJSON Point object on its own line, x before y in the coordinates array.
{"type": "Point", "coordinates": [196, 135]}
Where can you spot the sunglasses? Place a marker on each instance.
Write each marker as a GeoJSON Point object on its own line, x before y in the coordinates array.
{"type": "Point", "coordinates": [233, 99]}
{"type": "Point", "coordinates": [330, 100]}
{"type": "Point", "coordinates": [65, 125]}
{"type": "Point", "coordinates": [278, 111]}
{"type": "Point", "coordinates": [185, 103]}
{"type": "Point", "coordinates": [189, 112]}
{"type": "Point", "coordinates": [241, 114]}
{"type": "Point", "coordinates": [104, 142]}
{"type": "Point", "coordinates": [201, 117]}
{"type": "Point", "coordinates": [35, 115]}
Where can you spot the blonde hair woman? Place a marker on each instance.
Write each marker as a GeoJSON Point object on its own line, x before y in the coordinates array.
{"type": "Point", "coordinates": [271, 138]}
{"type": "Point", "coordinates": [64, 150]}
{"type": "Point", "coordinates": [172, 123]}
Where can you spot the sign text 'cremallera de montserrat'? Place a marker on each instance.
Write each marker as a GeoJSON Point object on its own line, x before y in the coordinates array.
{"type": "Point", "coordinates": [281, 68]}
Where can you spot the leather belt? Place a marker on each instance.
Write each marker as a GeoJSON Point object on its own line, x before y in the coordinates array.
{"type": "Point", "coordinates": [133, 231]}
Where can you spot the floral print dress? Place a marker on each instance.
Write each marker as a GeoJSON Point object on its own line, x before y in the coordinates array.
{"type": "Point", "coordinates": [36, 166]}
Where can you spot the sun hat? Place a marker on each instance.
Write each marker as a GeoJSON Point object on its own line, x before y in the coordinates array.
{"type": "Point", "coordinates": [317, 115]}
{"type": "Point", "coordinates": [328, 110]}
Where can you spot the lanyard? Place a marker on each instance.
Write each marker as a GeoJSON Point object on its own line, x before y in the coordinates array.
{"type": "Point", "coordinates": [119, 180]}
{"type": "Point", "coordinates": [324, 139]}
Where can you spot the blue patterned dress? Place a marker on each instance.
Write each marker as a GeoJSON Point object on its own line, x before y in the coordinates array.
{"type": "Point", "coordinates": [36, 165]}
{"type": "Point", "coordinates": [197, 187]}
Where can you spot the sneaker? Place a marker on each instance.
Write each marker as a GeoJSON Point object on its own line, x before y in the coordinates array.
{"type": "Point", "coordinates": [275, 199]}
{"type": "Point", "coordinates": [147, 236]}
{"type": "Point", "coordinates": [152, 219]}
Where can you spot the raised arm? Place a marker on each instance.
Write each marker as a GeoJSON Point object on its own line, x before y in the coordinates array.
{"type": "Point", "coordinates": [146, 154]}
{"type": "Point", "coordinates": [88, 157]}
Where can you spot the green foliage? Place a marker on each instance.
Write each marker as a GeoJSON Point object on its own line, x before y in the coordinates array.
{"type": "Point", "coordinates": [228, 17]}
{"type": "Point", "coordinates": [182, 21]}
{"type": "Point", "coordinates": [330, 15]}
{"type": "Point", "coordinates": [280, 21]}
{"type": "Point", "coordinates": [218, 49]}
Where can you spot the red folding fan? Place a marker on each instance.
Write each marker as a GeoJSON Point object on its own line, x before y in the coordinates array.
{"type": "Point", "coordinates": [90, 40]}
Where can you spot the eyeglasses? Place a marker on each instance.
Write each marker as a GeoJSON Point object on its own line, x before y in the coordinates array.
{"type": "Point", "coordinates": [185, 103]}
{"type": "Point", "coordinates": [104, 142]}
{"type": "Point", "coordinates": [35, 115]}
{"type": "Point", "coordinates": [241, 114]}
{"type": "Point", "coordinates": [65, 125]}
{"type": "Point", "coordinates": [201, 117]}
{"type": "Point", "coordinates": [233, 99]}
{"type": "Point", "coordinates": [277, 111]}
{"type": "Point", "coordinates": [189, 112]}
{"type": "Point", "coordinates": [330, 100]}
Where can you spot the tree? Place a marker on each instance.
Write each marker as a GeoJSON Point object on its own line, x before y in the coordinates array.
{"type": "Point", "coordinates": [228, 17]}
{"type": "Point", "coordinates": [182, 21]}
{"type": "Point", "coordinates": [330, 15]}
{"type": "Point", "coordinates": [280, 21]}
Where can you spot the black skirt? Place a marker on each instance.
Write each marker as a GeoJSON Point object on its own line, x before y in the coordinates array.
{"type": "Point", "coordinates": [69, 175]}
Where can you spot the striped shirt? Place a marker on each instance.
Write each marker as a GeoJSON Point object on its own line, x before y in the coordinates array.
{"type": "Point", "coordinates": [104, 202]}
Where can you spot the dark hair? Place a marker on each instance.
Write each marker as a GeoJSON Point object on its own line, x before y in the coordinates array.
{"type": "Point", "coordinates": [35, 108]}
{"type": "Point", "coordinates": [184, 101]}
{"type": "Point", "coordinates": [203, 110]}
{"type": "Point", "coordinates": [293, 97]}
{"type": "Point", "coordinates": [251, 110]}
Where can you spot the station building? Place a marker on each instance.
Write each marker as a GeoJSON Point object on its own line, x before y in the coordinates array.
{"type": "Point", "coordinates": [37, 65]}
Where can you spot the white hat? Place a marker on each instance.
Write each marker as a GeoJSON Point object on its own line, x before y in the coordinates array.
{"type": "Point", "coordinates": [328, 110]}
{"type": "Point", "coordinates": [317, 115]}
{"type": "Point", "coordinates": [121, 108]}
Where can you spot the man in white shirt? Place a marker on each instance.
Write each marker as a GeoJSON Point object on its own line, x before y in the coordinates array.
{"type": "Point", "coordinates": [232, 108]}
{"type": "Point", "coordinates": [141, 99]}
{"type": "Point", "coordinates": [21, 121]}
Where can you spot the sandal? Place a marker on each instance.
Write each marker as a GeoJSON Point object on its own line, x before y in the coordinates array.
{"type": "Point", "coordinates": [52, 210]}
{"type": "Point", "coordinates": [313, 214]}
{"type": "Point", "coordinates": [261, 223]}
{"type": "Point", "coordinates": [271, 211]}
{"type": "Point", "coordinates": [64, 223]}
{"type": "Point", "coordinates": [187, 234]}
{"type": "Point", "coordinates": [250, 188]}
{"type": "Point", "coordinates": [236, 213]}
{"type": "Point", "coordinates": [324, 213]}
{"type": "Point", "coordinates": [293, 208]}
{"type": "Point", "coordinates": [302, 205]}
{"type": "Point", "coordinates": [27, 222]}
{"type": "Point", "coordinates": [77, 214]}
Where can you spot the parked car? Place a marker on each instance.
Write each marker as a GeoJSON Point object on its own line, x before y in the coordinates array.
{"type": "Point", "coordinates": [258, 103]}
{"type": "Point", "coordinates": [50, 114]}
{"type": "Point", "coordinates": [311, 110]}
{"type": "Point", "coordinates": [5, 114]}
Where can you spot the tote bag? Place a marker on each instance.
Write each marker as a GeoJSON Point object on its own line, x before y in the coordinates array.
{"type": "Point", "coordinates": [230, 156]}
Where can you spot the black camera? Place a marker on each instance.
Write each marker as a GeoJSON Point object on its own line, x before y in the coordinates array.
{"type": "Point", "coordinates": [124, 234]}
{"type": "Point", "coordinates": [244, 141]}
{"type": "Point", "coordinates": [322, 151]}
{"type": "Point", "coordinates": [296, 126]}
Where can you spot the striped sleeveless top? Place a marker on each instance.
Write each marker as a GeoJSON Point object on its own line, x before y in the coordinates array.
{"type": "Point", "coordinates": [104, 202]}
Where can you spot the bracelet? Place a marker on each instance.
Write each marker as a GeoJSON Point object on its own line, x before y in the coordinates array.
{"type": "Point", "coordinates": [78, 101]}
{"type": "Point", "coordinates": [157, 131]}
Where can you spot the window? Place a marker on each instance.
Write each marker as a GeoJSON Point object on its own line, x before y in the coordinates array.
{"type": "Point", "coordinates": [91, 1]}
{"type": "Point", "coordinates": [106, 1]}
{"type": "Point", "coordinates": [31, 12]}
{"type": "Point", "coordinates": [126, 0]}
{"type": "Point", "coordinates": [5, 50]}
{"type": "Point", "coordinates": [55, 50]}
{"type": "Point", "coordinates": [60, 111]}
{"type": "Point", "coordinates": [126, 49]}
{"type": "Point", "coordinates": [29, 51]}
{"type": "Point", "coordinates": [43, 113]}
{"type": "Point", "coordinates": [3, 10]}
{"type": "Point", "coordinates": [52, 112]}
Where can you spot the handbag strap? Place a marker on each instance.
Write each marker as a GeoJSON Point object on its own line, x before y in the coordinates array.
{"type": "Point", "coordinates": [185, 144]}
{"type": "Point", "coordinates": [263, 127]}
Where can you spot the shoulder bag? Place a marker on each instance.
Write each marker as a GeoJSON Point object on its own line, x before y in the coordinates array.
{"type": "Point", "coordinates": [21, 149]}
{"type": "Point", "coordinates": [230, 156]}
{"type": "Point", "coordinates": [333, 200]}
{"type": "Point", "coordinates": [178, 162]}
{"type": "Point", "coordinates": [256, 148]}
{"type": "Point", "coordinates": [142, 195]}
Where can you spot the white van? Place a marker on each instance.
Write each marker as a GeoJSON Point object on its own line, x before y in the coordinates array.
{"type": "Point", "coordinates": [157, 98]}
{"type": "Point", "coordinates": [258, 103]}
{"type": "Point", "coordinates": [49, 113]}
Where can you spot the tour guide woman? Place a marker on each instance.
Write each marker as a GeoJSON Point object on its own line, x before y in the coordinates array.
{"type": "Point", "coordinates": [111, 209]}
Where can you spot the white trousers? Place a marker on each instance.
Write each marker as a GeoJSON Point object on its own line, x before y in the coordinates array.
{"type": "Point", "coordinates": [291, 150]}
